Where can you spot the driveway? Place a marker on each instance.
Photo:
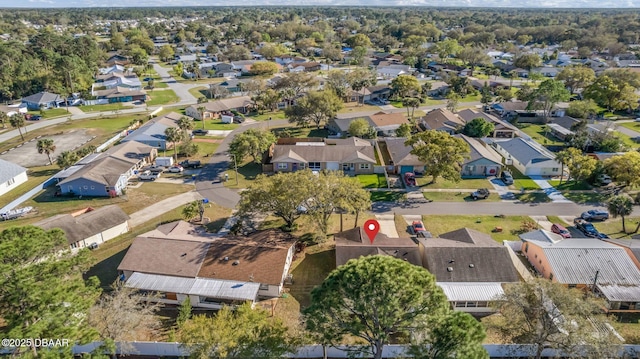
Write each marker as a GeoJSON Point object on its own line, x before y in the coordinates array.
{"type": "Point", "coordinates": [553, 194]}
{"type": "Point", "coordinates": [503, 190]}
{"type": "Point", "coordinates": [387, 225]}
{"type": "Point", "coordinates": [182, 90]}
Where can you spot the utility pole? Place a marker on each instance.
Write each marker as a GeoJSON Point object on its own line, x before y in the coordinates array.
{"type": "Point", "coordinates": [595, 281]}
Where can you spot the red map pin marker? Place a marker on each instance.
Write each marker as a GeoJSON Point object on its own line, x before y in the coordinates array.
{"type": "Point", "coordinates": [371, 228]}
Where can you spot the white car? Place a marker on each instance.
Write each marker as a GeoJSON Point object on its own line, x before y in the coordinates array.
{"type": "Point", "coordinates": [175, 169]}
{"type": "Point", "coordinates": [148, 175]}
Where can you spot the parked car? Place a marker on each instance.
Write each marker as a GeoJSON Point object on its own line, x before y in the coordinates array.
{"type": "Point", "coordinates": [30, 117]}
{"type": "Point", "coordinates": [587, 228]}
{"type": "Point", "coordinates": [603, 179]}
{"type": "Point", "coordinates": [506, 177]}
{"type": "Point", "coordinates": [190, 164]}
{"type": "Point", "coordinates": [199, 132]}
{"type": "Point", "coordinates": [595, 215]}
{"type": "Point", "coordinates": [481, 193]}
{"type": "Point", "coordinates": [238, 119]}
{"type": "Point", "coordinates": [93, 245]}
{"type": "Point", "coordinates": [176, 169]}
{"type": "Point", "coordinates": [148, 176]}
{"type": "Point", "coordinates": [558, 229]}
{"type": "Point", "coordinates": [410, 179]}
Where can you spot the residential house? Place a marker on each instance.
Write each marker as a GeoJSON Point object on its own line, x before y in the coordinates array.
{"type": "Point", "coordinates": [385, 124]}
{"type": "Point", "coordinates": [354, 243]}
{"type": "Point", "coordinates": [501, 129]}
{"type": "Point", "coordinates": [438, 89]}
{"type": "Point", "coordinates": [117, 59]}
{"type": "Point", "coordinates": [631, 246]}
{"type": "Point", "coordinates": [547, 71]}
{"type": "Point", "coordinates": [304, 66]}
{"type": "Point", "coordinates": [541, 235]}
{"type": "Point", "coordinates": [120, 94]}
{"type": "Point", "coordinates": [371, 93]}
{"type": "Point", "coordinates": [528, 157]}
{"type": "Point", "coordinates": [117, 79]}
{"type": "Point", "coordinates": [232, 85]}
{"type": "Point", "coordinates": [13, 109]}
{"type": "Point", "coordinates": [214, 109]}
{"type": "Point", "coordinates": [11, 176]}
{"type": "Point", "coordinates": [470, 266]}
{"type": "Point", "coordinates": [401, 160]}
{"type": "Point", "coordinates": [242, 66]}
{"type": "Point", "coordinates": [441, 120]}
{"type": "Point", "coordinates": [210, 273]}
{"type": "Point", "coordinates": [152, 133]}
{"type": "Point", "coordinates": [43, 100]}
{"type": "Point", "coordinates": [512, 109]}
{"type": "Point", "coordinates": [591, 264]}
{"type": "Point", "coordinates": [89, 226]}
{"type": "Point", "coordinates": [106, 174]}
{"type": "Point", "coordinates": [482, 161]}
{"type": "Point", "coordinates": [224, 69]}
{"type": "Point", "coordinates": [393, 71]}
{"type": "Point", "coordinates": [352, 155]}
{"type": "Point", "coordinates": [111, 69]}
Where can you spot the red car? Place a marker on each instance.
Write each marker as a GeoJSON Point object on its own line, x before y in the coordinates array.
{"type": "Point", "coordinates": [410, 179]}
{"type": "Point", "coordinates": [556, 228]}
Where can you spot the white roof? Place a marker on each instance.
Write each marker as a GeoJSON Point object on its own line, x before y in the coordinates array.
{"type": "Point", "coordinates": [213, 288]}
{"type": "Point", "coordinates": [620, 293]}
{"type": "Point", "coordinates": [481, 291]}
{"type": "Point", "coordinates": [9, 170]}
{"type": "Point", "coordinates": [541, 235]}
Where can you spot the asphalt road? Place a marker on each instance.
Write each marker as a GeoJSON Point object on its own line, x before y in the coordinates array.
{"type": "Point", "coordinates": [182, 90]}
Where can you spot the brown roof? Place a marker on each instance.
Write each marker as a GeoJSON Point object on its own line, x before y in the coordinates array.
{"type": "Point", "coordinates": [342, 153]}
{"type": "Point", "coordinates": [181, 230]}
{"type": "Point", "coordinates": [260, 258]}
{"type": "Point", "coordinates": [478, 150]}
{"type": "Point", "coordinates": [131, 151]}
{"type": "Point", "coordinates": [382, 119]}
{"type": "Point", "coordinates": [88, 224]}
{"type": "Point", "coordinates": [119, 92]}
{"type": "Point", "coordinates": [172, 257]}
{"type": "Point", "coordinates": [354, 243]}
{"type": "Point", "coordinates": [401, 154]}
{"type": "Point", "coordinates": [439, 118]}
{"type": "Point", "coordinates": [105, 171]}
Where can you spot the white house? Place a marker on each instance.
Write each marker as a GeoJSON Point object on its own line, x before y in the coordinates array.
{"type": "Point", "coordinates": [11, 176]}
{"type": "Point", "coordinates": [528, 157]}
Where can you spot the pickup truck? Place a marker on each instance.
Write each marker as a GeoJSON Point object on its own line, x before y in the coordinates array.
{"type": "Point", "coordinates": [190, 164]}
{"type": "Point", "coordinates": [148, 176]}
{"type": "Point", "coordinates": [481, 193]}
{"type": "Point", "coordinates": [587, 228]}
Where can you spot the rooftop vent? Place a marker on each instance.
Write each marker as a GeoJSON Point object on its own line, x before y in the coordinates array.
{"type": "Point", "coordinates": [449, 269]}
{"type": "Point", "coordinates": [471, 265]}
{"type": "Point", "coordinates": [183, 255]}
{"type": "Point", "coordinates": [235, 263]}
{"type": "Point", "coordinates": [452, 261]}
{"type": "Point", "coordinates": [226, 258]}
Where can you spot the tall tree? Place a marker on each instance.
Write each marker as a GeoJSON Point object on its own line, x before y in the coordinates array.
{"type": "Point", "coordinates": [405, 86]}
{"type": "Point", "coordinates": [316, 107]}
{"type": "Point", "coordinates": [579, 165]}
{"type": "Point", "coordinates": [359, 79]}
{"type": "Point", "coordinates": [166, 53]}
{"type": "Point", "coordinates": [411, 104]}
{"type": "Point", "coordinates": [404, 130]}
{"type": "Point", "coordinates": [478, 127]}
{"type": "Point", "coordinates": [297, 82]}
{"type": "Point", "coordinates": [185, 124]}
{"type": "Point", "coordinates": [621, 205]}
{"type": "Point", "coordinates": [3, 119]}
{"type": "Point", "coordinates": [611, 94]}
{"type": "Point", "coordinates": [173, 135]}
{"type": "Point", "coordinates": [253, 142]}
{"type": "Point", "coordinates": [550, 315]}
{"type": "Point", "coordinates": [67, 159]}
{"type": "Point", "coordinates": [547, 95]}
{"type": "Point", "coordinates": [473, 56]}
{"type": "Point", "coordinates": [576, 77]}
{"type": "Point", "coordinates": [582, 109]}
{"type": "Point", "coordinates": [624, 168]}
{"type": "Point", "coordinates": [42, 293]}
{"type": "Point", "coordinates": [453, 100]}
{"type": "Point", "coordinates": [361, 128]}
{"type": "Point", "coordinates": [446, 48]}
{"type": "Point", "coordinates": [47, 147]}
{"type": "Point", "coordinates": [17, 121]}
{"type": "Point", "coordinates": [338, 82]}
{"type": "Point", "coordinates": [527, 61]}
{"type": "Point", "coordinates": [442, 153]}
{"type": "Point", "coordinates": [374, 298]}
{"type": "Point", "coordinates": [241, 333]}
{"type": "Point", "coordinates": [263, 68]}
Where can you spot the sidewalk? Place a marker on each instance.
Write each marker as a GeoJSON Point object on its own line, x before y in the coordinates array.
{"type": "Point", "coordinates": [553, 194]}
{"type": "Point", "coordinates": [162, 207]}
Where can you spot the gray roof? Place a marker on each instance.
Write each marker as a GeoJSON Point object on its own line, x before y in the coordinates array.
{"type": "Point", "coordinates": [105, 171]}
{"type": "Point", "coordinates": [525, 151]}
{"type": "Point", "coordinates": [632, 244]}
{"type": "Point", "coordinates": [42, 98]}
{"type": "Point", "coordinates": [469, 114]}
{"type": "Point", "coordinates": [154, 129]}
{"type": "Point", "coordinates": [8, 170]}
{"type": "Point", "coordinates": [320, 152]}
{"type": "Point", "coordinates": [479, 151]}
{"type": "Point", "coordinates": [564, 121]}
{"type": "Point", "coordinates": [576, 261]}
{"type": "Point", "coordinates": [90, 223]}
{"type": "Point", "coordinates": [466, 255]}
{"type": "Point", "coordinates": [353, 243]}
{"type": "Point", "coordinates": [212, 288]}
{"type": "Point", "coordinates": [542, 236]}
{"type": "Point", "coordinates": [401, 154]}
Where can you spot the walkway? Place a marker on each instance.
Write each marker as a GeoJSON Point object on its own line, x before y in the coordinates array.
{"type": "Point", "coordinates": [162, 207]}
{"type": "Point", "coordinates": [553, 194]}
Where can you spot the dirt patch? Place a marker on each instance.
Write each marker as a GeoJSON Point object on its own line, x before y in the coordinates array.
{"type": "Point", "coordinates": [26, 154]}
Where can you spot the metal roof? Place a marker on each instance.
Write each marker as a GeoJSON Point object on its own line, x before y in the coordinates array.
{"type": "Point", "coordinates": [213, 288]}
{"type": "Point", "coordinates": [620, 293]}
{"type": "Point", "coordinates": [481, 291]}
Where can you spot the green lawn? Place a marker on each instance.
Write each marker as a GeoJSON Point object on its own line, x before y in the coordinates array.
{"type": "Point", "coordinates": [199, 91]}
{"type": "Point", "coordinates": [50, 113]}
{"type": "Point", "coordinates": [613, 227]}
{"type": "Point", "coordinates": [627, 140]}
{"type": "Point", "coordinates": [300, 132]}
{"type": "Point", "coordinates": [108, 123]}
{"type": "Point", "coordinates": [372, 181]}
{"type": "Point", "coordinates": [469, 183]}
{"type": "Point", "coordinates": [570, 186]}
{"type": "Point", "coordinates": [396, 104]}
{"type": "Point", "coordinates": [533, 197]}
{"type": "Point", "coordinates": [556, 219]}
{"type": "Point", "coordinates": [521, 181]}
{"type": "Point", "coordinates": [439, 224]}
{"type": "Point", "coordinates": [310, 271]}
{"type": "Point", "coordinates": [588, 197]}
{"type": "Point", "coordinates": [247, 172]}
{"type": "Point", "coordinates": [216, 125]}
{"type": "Point", "coordinates": [161, 97]}
{"type": "Point", "coordinates": [106, 107]}
{"type": "Point", "coordinates": [471, 98]}
{"type": "Point", "coordinates": [354, 107]}
{"type": "Point", "coordinates": [278, 115]}
{"type": "Point", "coordinates": [36, 175]}
{"type": "Point", "coordinates": [457, 197]}
{"type": "Point", "coordinates": [634, 126]}
{"type": "Point", "coordinates": [540, 134]}
{"type": "Point", "coordinates": [387, 196]}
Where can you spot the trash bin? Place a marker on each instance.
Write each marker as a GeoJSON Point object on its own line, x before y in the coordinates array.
{"type": "Point", "coordinates": [193, 177]}
{"type": "Point", "coordinates": [205, 200]}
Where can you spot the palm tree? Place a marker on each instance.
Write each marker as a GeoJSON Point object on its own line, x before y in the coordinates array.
{"type": "Point", "coordinates": [185, 124]}
{"type": "Point", "coordinates": [173, 135]}
{"type": "Point", "coordinates": [67, 159]}
{"type": "Point", "coordinates": [563, 157]}
{"type": "Point", "coordinates": [621, 205]}
{"type": "Point", "coordinates": [3, 119]}
{"type": "Point", "coordinates": [47, 147]}
{"type": "Point", "coordinates": [17, 121]}
{"type": "Point", "coordinates": [201, 112]}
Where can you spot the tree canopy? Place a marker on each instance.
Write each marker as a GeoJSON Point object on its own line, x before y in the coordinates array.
{"type": "Point", "coordinates": [316, 107]}
{"type": "Point", "coordinates": [252, 142]}
{"type": "Point", "coordinates": [624, 168]}
{"type": "Point", "coordinates": [442, 153]}
{"type": "Point", "coordinates": [478, 127]}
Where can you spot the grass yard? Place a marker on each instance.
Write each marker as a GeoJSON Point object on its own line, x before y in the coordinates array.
{"type": "Point", "coordinates": [634, 126]}
{"type": "Point", "coordinates": [300, 132]}
{"type": "Point", "coordinates": [309, 270]}
{"type": "Point", "coordinates": [387, 196]}
{"type": "Point", "coordinates": [200, 91]}
{"type": "Point", "coordinates": [358, 107]}
{"type": "Point", "coordinates": [105, 107]}
{"type": "Point", "coordinates": [627, 140]}
{"type": "Point", "coordinates": [432, 102]}
{"type": "Point", "coordinates": [216, 125]}
{"type": "Point", "coordinates": [585, 197]}
{"type": "Point", "coordinates": [247, 172]}
{"type": "Point", "coordinates": [372, 181]}
{"type": "Point", "coordinates": [540, 134]}
{"type": "Point", "coordinates": [161, 97]}
{"type": "Point", "coordinates": [613, 227]}
{"type": "Point", "coordinates": [36, 175]}
{"type": "Point", "coordinates": [439, 224]}
{"type": "Point", "coordinates": [628, 326]}
{"type": "Point", "coordinates": [571, 185]}
{"type": "Point", "coordinates": [471, 98]}
{"type": "Point", "coordinates": [470, 183]}
{"type": "Point", "coordinates": [457, 197]}
{"type": "Point", "coordinates": [108, 124]}
{"type": "Point", "coordinates": [396, 104]}
{"type": "Point", "coordinates": [150, 193]}
{"type": "Point", "coordinates": [556, 219]}
{"type": "Point", "coordinates": [532, 197]}
{"type": "Point", "coordinates": [53, 112]}
{"type": "Point", "coordinates": [276, 115]}
{"type": "Point", "coordinates": [205, 150]}
{"type": "Point", "coordinates": [521, 181]}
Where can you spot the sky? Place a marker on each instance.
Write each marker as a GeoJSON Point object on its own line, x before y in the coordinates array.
{"type": "Point", "coordinates": [389, 3]}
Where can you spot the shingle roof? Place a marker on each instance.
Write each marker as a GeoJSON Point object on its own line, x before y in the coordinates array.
{"type": "Point", "coordinates": [321, 152]}
{"type": "Point", "coordinates": [105, 171]}
{"type": "Point", "coordinates": [87, 224]}
{"type": "Point", "coordinates": [226, 104]}
{"type": "Point", "coordinates": [401, 154]}
{"type": "Point", "coordinates": [154, 129]}
{"type": "Point", "coordinates": [469, 114]}
{"type": "Point", "coordinates": [479, 151]}
{"type": "Point", "coordinates": [354, 243]}
{"type": "Point", "coordinates": [171, 257]}
{"type": "Point", "coordinates": [131, 151]}
{"type": "Point", "coordinates": [381, 119]}
{"type": "Point", "coordinates": [42, 97]}
{"type": "Point", "coordinates": [8, 170]}
{"type": "Point", "coordinates": [440, 118]}
{"type": "Point", "coordinates": [525, 151]}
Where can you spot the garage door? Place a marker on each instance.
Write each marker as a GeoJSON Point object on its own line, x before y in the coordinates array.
{"type": "Point", "coordinates": [333, 166]}
{"type": "Point", "coordinates": [405, 169]}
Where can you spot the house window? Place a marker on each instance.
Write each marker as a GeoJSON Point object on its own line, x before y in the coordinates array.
{"type": "Point", "coordinates": [526, 247]}
{"type": "Point", "coordinates": [264, 287]}
{"type": "Point", "coordinates": [301, 166]}
{"type": "Point", "coordinates": [282, 166]}
{"type": "Point", "coordinates": [470, 168]}
{"type": "Point", "coordinates": [315, 166]}
{"type": "Point", "coordinates": [460, 304]}
{"type": "Point", "coordinates": [571, 286]}
{"type": "Point", "coordinates": [555, 169]}
{"type": "Point", "coordinates": [364, 166]}
{"type": "Point", "coordinates": [11, 181]}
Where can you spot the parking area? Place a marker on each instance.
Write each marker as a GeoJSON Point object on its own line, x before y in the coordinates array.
{"type": "Point", "coordinates": [26, 154]}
